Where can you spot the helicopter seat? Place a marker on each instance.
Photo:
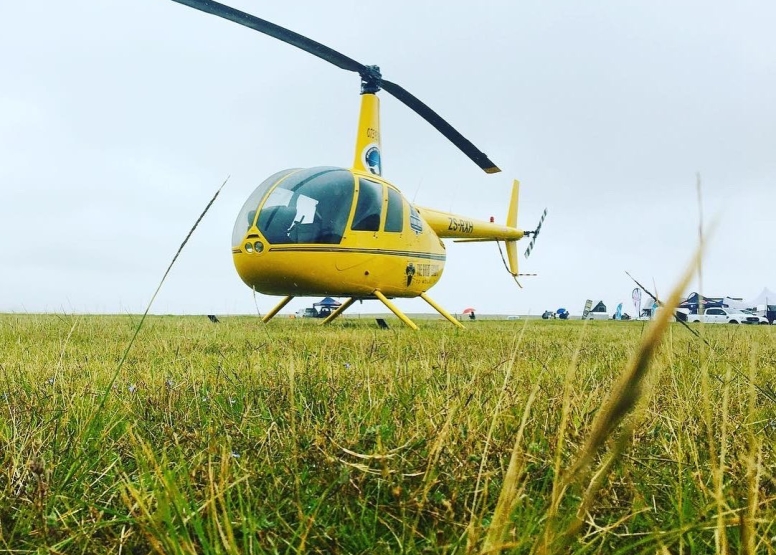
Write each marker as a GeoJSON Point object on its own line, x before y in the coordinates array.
{"type": "Point", "coordinates": [274, 223]}
{"type": "Point", "coordinates": [305, 233]}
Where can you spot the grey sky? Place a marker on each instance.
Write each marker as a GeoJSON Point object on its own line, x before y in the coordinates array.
{"type": "Point", "coordinates": [118, 120]}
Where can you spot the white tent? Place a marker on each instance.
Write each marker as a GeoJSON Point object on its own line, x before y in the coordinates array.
{"type": "Point", "coordinates": [766, 296]}
{"type": "Point", "coordinates": [737, 303]}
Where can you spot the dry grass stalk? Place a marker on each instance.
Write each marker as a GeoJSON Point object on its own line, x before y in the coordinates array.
{"type": "Point", "coordinates": [512, 487]}
{"type": "Point", "coordinates": [753, 468]}
{"type": "Point", "coordinates": [471, 531]}
{"type": "Point", "coordinates": [568, 383]}
{"type": "Point", "coordinates": [624, 397]}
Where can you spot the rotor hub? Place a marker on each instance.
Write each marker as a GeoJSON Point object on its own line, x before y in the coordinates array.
{"type": "Point", "coordinates": [371, 80]}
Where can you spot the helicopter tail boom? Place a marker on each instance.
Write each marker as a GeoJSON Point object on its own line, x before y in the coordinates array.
{"type": "Point", "coordinates": [482, 231]}
{"type": "Point", "coordinates": [454, 226]}
{"type": "Point", "coordinates": [463, 229]}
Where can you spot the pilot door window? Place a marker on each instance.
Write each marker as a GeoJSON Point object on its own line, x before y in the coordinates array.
{"type": "Point", "coordinates": [308, 207]}
{"type": "Point", "coordinates": [369, 207]}
{"type": "Point", "coordinates": [394, 217]}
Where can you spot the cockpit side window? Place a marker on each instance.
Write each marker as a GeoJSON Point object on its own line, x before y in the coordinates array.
{"type": "Point", "coordinates": [309, 207]}
{"type": "Point", "coordinates": [369, 207]}
{"type": "Point", "coordinates": [394, 217]}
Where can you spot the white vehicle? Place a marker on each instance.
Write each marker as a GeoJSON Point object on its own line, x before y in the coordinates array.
{"type": "Point", "coordinates": [595, 310]}
{"type": "Point", "coordinates": [761, 318]}
{"type": "Point", "coordinates": [597, 315]}
{"type": "Point", "coordinates": [726, 316]}
{"type": "Point", "coordinates": [307, 313]}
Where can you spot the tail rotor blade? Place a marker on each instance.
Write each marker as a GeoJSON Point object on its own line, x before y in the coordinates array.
{"type": "Point", "coordinates": [535, 234]}
{"type": "Point", "coordinates": [529, 249]}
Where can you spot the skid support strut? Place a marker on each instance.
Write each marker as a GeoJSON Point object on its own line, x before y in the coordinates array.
{"type": "Point", "coordinates": [271, 314]}
{"type": "Point", "coordinates": [340, 309]}
{"type": "Point", "coordinates": [392, 307]}
{"type": "Point", "coordinates": [441, 310]}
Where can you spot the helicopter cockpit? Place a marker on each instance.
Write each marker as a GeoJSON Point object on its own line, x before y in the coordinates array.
{"type": "Point", "coordinates": [299, 206]}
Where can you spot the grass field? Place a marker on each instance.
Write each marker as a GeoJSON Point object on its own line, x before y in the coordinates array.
{"type": "Point", "coordinates": [291, 437]}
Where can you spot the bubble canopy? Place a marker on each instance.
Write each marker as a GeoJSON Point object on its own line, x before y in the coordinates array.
{"type": "Point", "coordinates": [299, 206]}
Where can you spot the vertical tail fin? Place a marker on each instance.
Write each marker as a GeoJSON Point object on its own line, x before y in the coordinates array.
{"type": "Point", "coordinates": [512, 222]}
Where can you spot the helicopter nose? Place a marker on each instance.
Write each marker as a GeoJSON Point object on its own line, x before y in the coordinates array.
{"type": "Point", "coordinates": [251, 246]}
{"type": "Point", "coordinates": [261, 270]}
{"type": "Point", "coordinates": [248, 259]}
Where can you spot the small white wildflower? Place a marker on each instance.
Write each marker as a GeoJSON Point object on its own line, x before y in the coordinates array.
{"type": "Point", "coordinates": [50, 381]}
{"type": "Point", "coordinates": [132, 388]}
{"type": "Point", "coordinates": [232, 401]}
{"type": "Point", "coordinates": [169, 383]}
{"type": "Point", "coordinates": [347, 366]}
{"type": "Point", "coordinates": [235, 455]}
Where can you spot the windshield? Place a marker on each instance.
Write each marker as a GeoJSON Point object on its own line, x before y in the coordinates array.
{"type": "Point", "coordinates": [310, 206]}
{"type": "Point", "coordinates": [247, 215]}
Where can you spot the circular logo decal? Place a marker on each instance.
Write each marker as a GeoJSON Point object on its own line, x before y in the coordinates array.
{"type": "Point", "coordinates": [372, 159]}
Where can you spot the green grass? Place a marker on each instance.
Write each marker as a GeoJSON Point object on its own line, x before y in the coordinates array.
{"type": "Point", "coordinates": [291, 437]}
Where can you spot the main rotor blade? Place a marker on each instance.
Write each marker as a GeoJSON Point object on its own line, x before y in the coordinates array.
{"type": "Point", "coordinates": [276, 31]}
{"type": "Point", "coordinates": [466, 146]}
{"type": "Point", "coordinates": [340, 60]}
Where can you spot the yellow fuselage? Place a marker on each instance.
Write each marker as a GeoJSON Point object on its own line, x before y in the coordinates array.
{"type": "Point", "coordinates": [399, 264]}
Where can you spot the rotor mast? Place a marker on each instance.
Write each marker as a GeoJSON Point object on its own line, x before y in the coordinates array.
{"type": "Point", "coordinates": [368, 155]}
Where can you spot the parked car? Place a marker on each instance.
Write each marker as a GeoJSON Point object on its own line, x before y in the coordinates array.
{"type": "Point", "coordinates": [726, 316]}
{"type": "Point", "coordinates": [770, 313]}
{"type": "Point", "coordinates": [761, 319]}
{"type": "Point", "coordinates": [597, 315]}
{"type": "Point", "coordinates": [307, 313]}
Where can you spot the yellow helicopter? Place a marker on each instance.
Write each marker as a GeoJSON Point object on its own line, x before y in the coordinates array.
{"type": "Point", "coordinates": [329, 231]}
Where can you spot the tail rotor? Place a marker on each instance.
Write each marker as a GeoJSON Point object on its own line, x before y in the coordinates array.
{"type": "Point", "coordinates": [534, 234]}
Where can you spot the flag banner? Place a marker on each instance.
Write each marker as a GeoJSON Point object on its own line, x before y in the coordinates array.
{"type": "Point", "coordinates": [636, 295]}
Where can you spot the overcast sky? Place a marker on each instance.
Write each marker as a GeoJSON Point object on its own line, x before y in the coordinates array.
{"type": "Point", "coordinates": [119, 119]}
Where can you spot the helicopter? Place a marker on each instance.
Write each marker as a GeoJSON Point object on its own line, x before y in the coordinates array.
{"type": "Point", "coordinates": [348, 232]}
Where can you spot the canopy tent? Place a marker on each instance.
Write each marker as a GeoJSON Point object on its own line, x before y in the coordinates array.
{"type": "Point", "coordinates": [730, 302]}
{"type": "Point", "coordinates": [327, 302]}
{"type": "Point", "coordinates": [766, 296]}
{"type": "Point", "coordinates": [694, 299]}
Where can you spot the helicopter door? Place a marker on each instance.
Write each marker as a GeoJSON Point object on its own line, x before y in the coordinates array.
{"type": "Point", "coordinates": [366, 225]}
{"type": "Point", "coordinates": [369, 206]}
